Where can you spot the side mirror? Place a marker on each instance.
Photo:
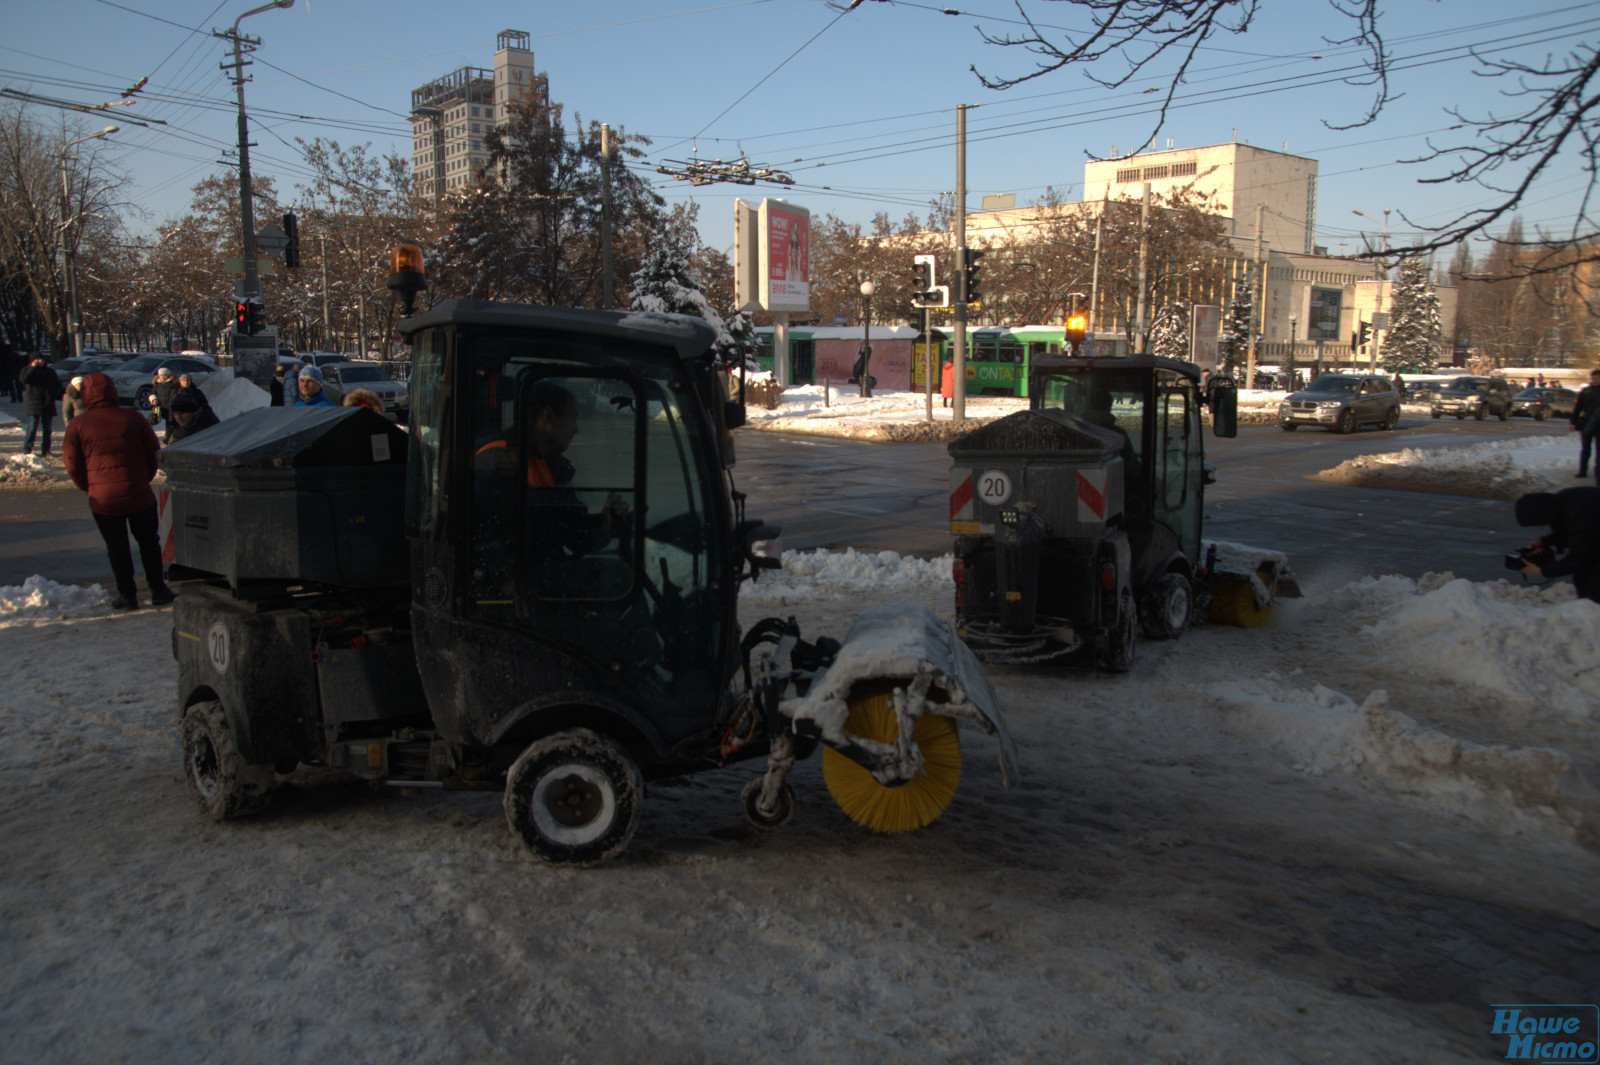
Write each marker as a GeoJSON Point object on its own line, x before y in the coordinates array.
{"type": "Point", "coordinates": [1225, 411]}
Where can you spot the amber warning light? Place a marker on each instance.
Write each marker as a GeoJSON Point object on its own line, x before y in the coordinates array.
{"type": "Point", "coordinates": [406, 276]}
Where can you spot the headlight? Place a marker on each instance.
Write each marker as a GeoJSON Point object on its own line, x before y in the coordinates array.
{"type": "Point", "coordinates": [1285, 407]}
{"type": "Point", "coordinates": [1330, 404]}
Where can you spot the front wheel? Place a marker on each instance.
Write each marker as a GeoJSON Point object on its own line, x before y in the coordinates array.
{"type": "Point", "coordinates": [1505, 413]}
{"type": "Point", "coordinates": [1347, 422]}
{"type": "Point", "coordinates": [1478, 414]}
{"type": "Point", "coordinates": [573, 798]}
{"type": "Point", "coordinates": [1164, 614]}
{"type": "Point", "coordinates": [1391, 418]}
{"type": "Point", "coordinates": [1540, 414]}
{"type": "Point", "coordinates": [144, 399]}
{"type": "Point", "coordinates": [1438, 414]}
{"type": "Point", "coordinates": [750, 797]}
{"type": "Point", "coordinates": [220, 780]}
{"type": "Point", "coordinates": [1289, 427]}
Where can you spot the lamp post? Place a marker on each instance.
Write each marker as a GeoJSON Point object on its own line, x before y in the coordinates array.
{"type": "Point", "coordinates": [1384, 233]}
{"type": "Point", "coordinates": [866, 342]}
{"type": "Point", "coordinates": [69, 268]}
{"type": "Point", "coordinates": [1293, 333]}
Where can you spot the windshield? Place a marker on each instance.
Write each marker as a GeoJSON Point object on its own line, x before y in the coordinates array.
{"type": "Point", "coordinates": [1472, 384]}
{"type": "Point", "coordinates": [1536, 393]}
{"type": "Point", "coordinates": [1328, 383]}
{"type": "Point", "coordinates": [143, 364]}
{"type": "Point", "coordinates": [361, 373]}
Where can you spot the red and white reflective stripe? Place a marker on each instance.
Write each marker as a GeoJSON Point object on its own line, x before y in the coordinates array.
{"type": "Point", "coordinates": [164, 526]}
{"type": "Point", "coordinates": [1091, 495]}
{"type": "Point", "coordinates": [961, 506]}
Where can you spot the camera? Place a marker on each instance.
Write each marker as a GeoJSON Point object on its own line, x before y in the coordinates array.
{"type": "Point", "coordinates": [1540, 557]}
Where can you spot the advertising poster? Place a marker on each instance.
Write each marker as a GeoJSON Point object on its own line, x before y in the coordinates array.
{"type": "Point", "coordinates": [1205, 335]}
{"type": "Point", "coordinates": [1323, 321]}
{"type": "Point", "coordinates": [786, 256]}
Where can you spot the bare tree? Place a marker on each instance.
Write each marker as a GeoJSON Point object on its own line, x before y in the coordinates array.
{"type": "Point", "coordinates": [1556, 121]}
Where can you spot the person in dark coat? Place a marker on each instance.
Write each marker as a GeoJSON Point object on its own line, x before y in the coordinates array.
{"type": "Point", "coordinates": [1573, 515]}
{"type": "Point", "coordinates": [162, 389]}
{"type": "Point", "coordinates": [1586, 421]}
{"type": "Point", "coordinates": [187, 387]}
{"type": "Point", "coordinates": [10, 366]}
{"type": "Point", "coordinates": [189, 417]}
{"type": "Point", "coordinates": [279, 388]}
{"type": "Point", "coordinates": [110, 453]}
{"type": "Point", "coordinates": [42, 388]}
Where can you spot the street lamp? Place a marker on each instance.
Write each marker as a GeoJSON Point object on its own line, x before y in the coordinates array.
{"type": "Point", "coordinates": [252, 282]}
{"type": "Point", "coordinates": [1385, 232]}
{"type": "Point", "coordinates": [866, 342]}
{"type": "Point", "coordinates": [68, 247]}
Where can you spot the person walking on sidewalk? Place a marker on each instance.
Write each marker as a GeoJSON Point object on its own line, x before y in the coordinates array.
{"type": "Point", "coordinates": [1586, 420]}
{"type": "Point", "coordinates": [110, 453]}
{"type": "Point", "coordinates": [43, 389]}
{"type": "Point", "coordinates": [10, 366]}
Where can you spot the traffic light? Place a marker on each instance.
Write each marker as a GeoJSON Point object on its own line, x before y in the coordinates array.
{"type": "Point", "coordinates": [249, 317]}
{"type": "Point", "coordinates": [291, 229]}
{"type": "Point", "coordinates": [921, 275]}
{"type": "Point", "coordinates": [1077, 328]}
{"type": "Point", "coordinates": [969, 261]}
{"type": "Point", "coordinates": [1366, 333]}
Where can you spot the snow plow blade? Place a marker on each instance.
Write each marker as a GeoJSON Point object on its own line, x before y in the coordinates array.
{"type": "Point", "coordinates": [1246, 583]}
{"type": "Point", "coordinates": [886, 710]}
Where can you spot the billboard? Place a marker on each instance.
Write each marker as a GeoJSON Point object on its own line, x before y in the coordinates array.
{"type": "Point", "coordinates": [785, 256]}
{"type": "Point", "coordinates": [1322, 321]}
{"type": "Point", "coordinates": [1205, 332]}
{"type": "Point", "coordinates": [746, 256]}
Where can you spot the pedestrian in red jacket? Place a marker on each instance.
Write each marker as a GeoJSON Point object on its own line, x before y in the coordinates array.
{"type": "Point", "coordinates": [110, 453]}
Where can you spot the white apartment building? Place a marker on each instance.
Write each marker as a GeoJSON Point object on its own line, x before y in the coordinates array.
{"type": "Point", "coordinates": [450, 115]}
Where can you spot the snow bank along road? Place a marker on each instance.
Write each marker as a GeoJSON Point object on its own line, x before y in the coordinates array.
{"type": "Point", "coordinates": [1342, 837]}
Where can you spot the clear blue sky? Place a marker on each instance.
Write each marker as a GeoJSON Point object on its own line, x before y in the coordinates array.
{"type": "Point", "coordinates": [862, 116]}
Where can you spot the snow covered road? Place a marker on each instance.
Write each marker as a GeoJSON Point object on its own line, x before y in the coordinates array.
{"type": "Point", "coordinates": [1236, 853]}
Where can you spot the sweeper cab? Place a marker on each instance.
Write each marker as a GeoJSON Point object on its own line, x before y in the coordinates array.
{"type": "Point", "coordinates": [533, 591]}
{"type": "Point", "coordinates": [1077, 522]}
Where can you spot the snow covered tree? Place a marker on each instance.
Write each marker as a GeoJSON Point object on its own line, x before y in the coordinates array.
{"type": "Point", "coordinates": [1414, 329]}
{"type": "Point", "coordinates": [1169, 336]}
{"type": "Point", "coordinates": [1238, 323]}
{"type": "Point", "coordinates": [668, 281]}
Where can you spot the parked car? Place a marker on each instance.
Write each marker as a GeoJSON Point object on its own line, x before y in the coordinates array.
{"type": "Point", "coordinates": [319, 359]}
{"type": "Point", "coordinates": [1477, 396]}
{"type": "Point", "coordinates": [133, 378]}
{"type": "Point", "coordinates": [1540, 403]}
{"type": "Point", "coordinates": [1342, 403]}
{"type": "Point", "coordinates": [341, 377]}
{"type": "Point", "coordinates": [67, 369]}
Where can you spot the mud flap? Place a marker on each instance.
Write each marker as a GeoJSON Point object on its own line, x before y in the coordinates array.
{"type": "Point", "coordinates": [934, 673]}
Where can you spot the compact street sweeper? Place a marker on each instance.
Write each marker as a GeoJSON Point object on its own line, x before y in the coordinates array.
{"type": "Point", "coordinates": [532, 590]}
{"type": "Point", "coordinates": [1078, 521]}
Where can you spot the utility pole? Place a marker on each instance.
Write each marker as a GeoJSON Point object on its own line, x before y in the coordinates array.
{"type": "Point", "coordinates": [1144, 249]}
{"type": "Point", "coordinates": [256, 367]}
{"type": "Point", "coordinates": [958, 405]}
{"type": "Point", "coordinates": [1257, 291]}
{"type": "Point", "coordinates": [608, 295]}
{"type": "Point", "coordinates": [69, 265]}
{"type": "Point", "coordinates": [1094, 280]}
{"type": "Point", "coordinates": [327, 322]}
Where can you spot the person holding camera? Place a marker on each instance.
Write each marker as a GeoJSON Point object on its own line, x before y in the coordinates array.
{"type": "Point", "coordinates": [1573, 515]}
{"type": "Point", "coordinates": [1586, 421]}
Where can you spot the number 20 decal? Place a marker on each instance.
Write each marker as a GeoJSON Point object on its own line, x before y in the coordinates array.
{"type": "Point", "coordinates": [994, 487]}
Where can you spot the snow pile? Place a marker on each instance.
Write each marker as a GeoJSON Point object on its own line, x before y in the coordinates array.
{"type": "Point", "coordinates": [231, 396]}
{"type": "Point", "coordinates": [1504, 657]}
{"type": "Point", "coordinates": [839, 410]}
{"type": "Point", "coordinates": [37, 597]}
{"type": "Point", "coordinates": [7, 421]}
{"type": "Point", "coordinates": [1502, 469]}
{"type": "Point", "coordinates": [830, 573]}
{"type": "Point", "coordinates": [35, 471]}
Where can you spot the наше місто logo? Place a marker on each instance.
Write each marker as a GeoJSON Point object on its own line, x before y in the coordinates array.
{"type": "Point", "coordinates": [1548, 1032]}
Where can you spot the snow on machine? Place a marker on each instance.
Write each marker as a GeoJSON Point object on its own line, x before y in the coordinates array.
{"type": "Point", "coordinates": [532, 590]}
{"type": "Point", "coordinates": [1078, 521]}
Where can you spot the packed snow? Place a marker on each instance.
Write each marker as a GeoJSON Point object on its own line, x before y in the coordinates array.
{"type": "Point", "coordinates": [1499, 469]}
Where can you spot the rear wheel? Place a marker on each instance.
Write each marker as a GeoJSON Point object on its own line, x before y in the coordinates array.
{"type": "Point", "coordinates": [1478, 412]}
{"type": "Point", "coordinates": [573, 798]}
{"type": "Point", "coordinates": [1347, 422]}
{"type": "Point", "coordinates": [1164, 614]}
{"type": "Point", "coordinates": [144, 399]}
{"type": "Point", "coordinates": [1437, 414]}
{"type": "Point", "coordinates": [1123, 646]}
{"type": "Point", "coordinates": [1390, 419]}
{"type": "Point", "coordinates": [1460, 415]}
{"type": "Point", "coordinates": [220, 780]}
{"type": "Point", "coordinates": [1505, 412]}
{"type": "Point", "coordinates": [1540, 414]}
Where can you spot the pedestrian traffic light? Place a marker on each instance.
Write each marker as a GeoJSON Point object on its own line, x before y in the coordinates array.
{"type": "Point", "coordinates": [969, 261]}
{"type": "Point", "coordinates": [249, 317]}
{"type": "Point", "coordinates": [241, 317]}
{"type": "Point", "coordinates": [1077, 328]}
{"type": "Point", "coordinates": [291, 229]}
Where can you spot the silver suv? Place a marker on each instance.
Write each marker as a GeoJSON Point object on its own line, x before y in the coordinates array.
{"type": "Point", "coordinates": [1342, 403]}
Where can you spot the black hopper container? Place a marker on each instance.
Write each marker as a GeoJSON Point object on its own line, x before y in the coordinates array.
{"type": "Point", "coordinates": [298, 495]}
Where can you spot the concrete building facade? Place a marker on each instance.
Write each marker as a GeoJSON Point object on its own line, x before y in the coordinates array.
{"type": "Point", "coordinates": [450, 114]}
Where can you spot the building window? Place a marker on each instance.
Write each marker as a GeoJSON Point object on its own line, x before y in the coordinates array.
{"type": "Point", "coordinates": [1155, 173]}
{"type": "Point", "coordinates": [474, 112]}
{"type": "Point", "coordinates": [1130, 174]}
{"type": "Point", "coordinates": [1183, 169]}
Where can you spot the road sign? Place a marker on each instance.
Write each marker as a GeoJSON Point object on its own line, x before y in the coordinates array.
{"type": "Point", "coordinates": [270, 238]}
{"type": "Point", "coordinates": [255, 357]}
{"type": "Point", "coordinates": [264, 267]}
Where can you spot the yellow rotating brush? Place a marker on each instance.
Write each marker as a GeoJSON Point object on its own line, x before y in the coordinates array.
{"type": "Point", "coordinates": [911, 805]}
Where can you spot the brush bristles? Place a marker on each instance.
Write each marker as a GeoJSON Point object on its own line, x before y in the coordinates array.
{"type": "Point", "coordinates": [912, 805]}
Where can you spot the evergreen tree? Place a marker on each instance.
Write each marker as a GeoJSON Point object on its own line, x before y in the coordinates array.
{"type": "Point", "coordinates": [1169, 336]}
{"type": "Point", "coordinates": [1414, 327]}
{"type": "Point", "coordinates": [1237, 325]}
{"type": "Point", "coordinates": [668, 282]}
